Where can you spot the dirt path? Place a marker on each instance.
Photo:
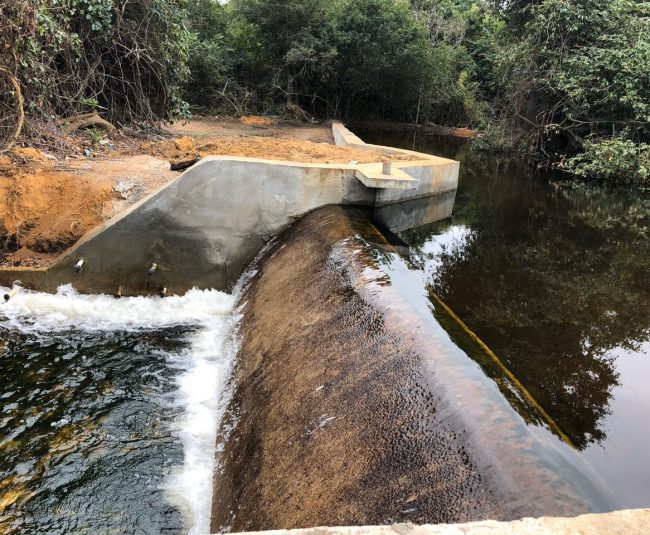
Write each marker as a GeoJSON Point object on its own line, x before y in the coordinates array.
{"type": "Point", "coordinates": [202, 127]}
{"type": "Point", "coordinates": [47, 202]}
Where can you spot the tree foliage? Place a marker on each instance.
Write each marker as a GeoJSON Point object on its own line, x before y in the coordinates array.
{"type": "Point", "coordinates": [372, 59]}
{"type": "Point", "coordinates": [129, 57]}
{"type": "Point", "coordinates": [572, 84]}
{"type": "Point", "coordinates": [564, 81]}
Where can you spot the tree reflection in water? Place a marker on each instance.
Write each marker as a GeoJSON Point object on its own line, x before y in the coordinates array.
{"type": "Point", "coordinates": [552, 277]}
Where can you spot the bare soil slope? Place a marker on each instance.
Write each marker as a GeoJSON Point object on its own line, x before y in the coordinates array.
{"type": "Point", "coordinates": [47, 205]}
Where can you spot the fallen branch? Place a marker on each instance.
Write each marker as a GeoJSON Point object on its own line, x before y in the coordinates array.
{"type": "Point", "coordinates": [71, 124]}
{"type": "Point", "coordinates": [299, 113]}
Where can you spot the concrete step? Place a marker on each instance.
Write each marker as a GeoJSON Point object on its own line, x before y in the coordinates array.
{"type": "Point", "coordinates": [372, 175]}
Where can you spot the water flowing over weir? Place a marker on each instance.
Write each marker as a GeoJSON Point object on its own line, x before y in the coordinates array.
{"type": "Point", "coordinates": [353, 406]}
{"type": "Point", "coordinates": [110, 411]}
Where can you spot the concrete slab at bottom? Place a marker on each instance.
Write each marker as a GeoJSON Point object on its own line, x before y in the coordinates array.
{"type": "Point", "coordinates": [628, 522]}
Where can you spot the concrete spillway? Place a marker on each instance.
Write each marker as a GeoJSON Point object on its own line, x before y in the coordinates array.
{"type": "Point", "coordinates": [353, 406]}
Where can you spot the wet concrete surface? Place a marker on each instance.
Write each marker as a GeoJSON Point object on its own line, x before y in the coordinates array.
{"type": "Point", "coordinates": [353, 407]}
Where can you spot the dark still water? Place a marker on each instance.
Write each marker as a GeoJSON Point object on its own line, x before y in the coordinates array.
{"type": "Point", "coordinates": [109, 412]}
{"type": "Point", "coordinates": [555, 279]}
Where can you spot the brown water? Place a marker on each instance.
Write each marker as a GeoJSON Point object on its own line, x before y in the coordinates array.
{"type": "Point", "coordinates": [555, 279]}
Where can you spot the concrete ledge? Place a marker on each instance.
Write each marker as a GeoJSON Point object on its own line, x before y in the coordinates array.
{"type": "Point", "coordinates": [628, 522]}
{"type": "Point", "coordinates": [433, 175]}
{"type": "Point", "coordinates": [372, 176]}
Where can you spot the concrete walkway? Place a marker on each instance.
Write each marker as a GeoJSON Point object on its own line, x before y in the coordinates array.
{"type": "Point", "coordinates": [629, 522]}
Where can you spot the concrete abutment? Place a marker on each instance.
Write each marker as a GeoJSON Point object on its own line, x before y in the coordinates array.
{"type": "Point", "coordinates": [202, 228]}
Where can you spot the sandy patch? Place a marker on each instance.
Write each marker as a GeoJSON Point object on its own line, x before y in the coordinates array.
{"type": "Point", "coordinates": [266, 148]}
{"type": "Point", "coordinates": [257, 120]}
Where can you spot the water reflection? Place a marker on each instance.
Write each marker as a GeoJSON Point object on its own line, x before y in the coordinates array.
{"type": "Point", "coordinates": [401, 216]}
{"type": "Point", "coordinates": [555, 279]}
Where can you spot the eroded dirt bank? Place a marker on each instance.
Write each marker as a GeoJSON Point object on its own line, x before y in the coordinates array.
{"type": "Point", "coordinates": [47, 205]}
{"type": "Point", "coordinates": [351, 409]}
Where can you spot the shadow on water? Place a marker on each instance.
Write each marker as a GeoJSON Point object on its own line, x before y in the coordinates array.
{"type": "Point", "coordinates": [554, 277]}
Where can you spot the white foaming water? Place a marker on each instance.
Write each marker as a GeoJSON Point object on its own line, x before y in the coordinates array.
{"type": "Point", "coordinates": [203, 395]}
{"type": "Point", "coordinates": [38, 312]}
{"type": "Point", "coordinates": [206, 366]}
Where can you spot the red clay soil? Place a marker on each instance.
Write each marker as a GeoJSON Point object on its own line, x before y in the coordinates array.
{"type": "Point", "coordinates": [264, 147]}
{"type": "Point", "coordinates": [202, 127]}
{"type": "Point", "coordinates": [259, 137]}
{"type": "Point", "coordinates": [47, 205]}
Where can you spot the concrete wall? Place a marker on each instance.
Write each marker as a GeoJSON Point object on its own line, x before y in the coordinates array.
{"type": "Point", "coordinates": [205, 226]}
{"type": "Point", "coordinates": [401, 216]}
{"type": "Point", "coordinates": [434, 175]}
{"type": "Point", "coordinates": [635, 522]}
{"type": "Point", "coordinates": [201, 229]}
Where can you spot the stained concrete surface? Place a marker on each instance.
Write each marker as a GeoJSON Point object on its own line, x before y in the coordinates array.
{"type": "Point", "coordinates": [352, 408]}
{"type": "Point", "coordinates": [398, 217]}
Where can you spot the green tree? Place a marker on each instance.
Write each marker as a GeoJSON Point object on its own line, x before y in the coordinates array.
{"type": "Point", "coordinates": [294, 47]}
{"type": "Point", "coordinates": [129, 57]}
{"type": "Point", "coordinates": [384, 58]}
{"type": "Point", "coordinates": [210, 58]}
{"type": "Point", "coordinates": [573, 78]}
{"type": "Point", "coordinates": [454, 89]}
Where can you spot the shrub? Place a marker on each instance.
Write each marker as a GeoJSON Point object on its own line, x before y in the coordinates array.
{"type": "Point", "coordinates": [619, 161]}
{"type": "Point", "coordinates": [129, 57]}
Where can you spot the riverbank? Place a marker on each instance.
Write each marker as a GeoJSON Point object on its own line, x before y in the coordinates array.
{"type": "Point", "coordinates": [50, 199]}
{"type": "Point", "coordinates": [426, 128]}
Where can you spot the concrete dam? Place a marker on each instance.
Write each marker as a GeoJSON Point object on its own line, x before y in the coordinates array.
{"type": "Point", "coordinates": [353, 406]}
{"type": "Point", "coordinates": [343, 399]}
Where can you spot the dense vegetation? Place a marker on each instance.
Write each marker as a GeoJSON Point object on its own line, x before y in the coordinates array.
{"type": "Point", "coordinates": [564, 81]}
{"type": "Point", "coordinates": [129, 57]}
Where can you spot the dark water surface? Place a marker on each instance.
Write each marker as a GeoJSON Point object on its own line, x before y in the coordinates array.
{"type": "Point", "coordinates": [86, 441]}
{"type": "Point", "coordinates": [555, 279]}
{"type": "Point", "coordinates": [354, 406]}
{"type": "Point", "coordinates": [100, 399]}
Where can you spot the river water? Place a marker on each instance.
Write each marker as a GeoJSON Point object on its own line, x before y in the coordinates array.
{"type": "Point", "coordinates": [555, 278]}
{"type": "Point", "coordinates": [110, 410]}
